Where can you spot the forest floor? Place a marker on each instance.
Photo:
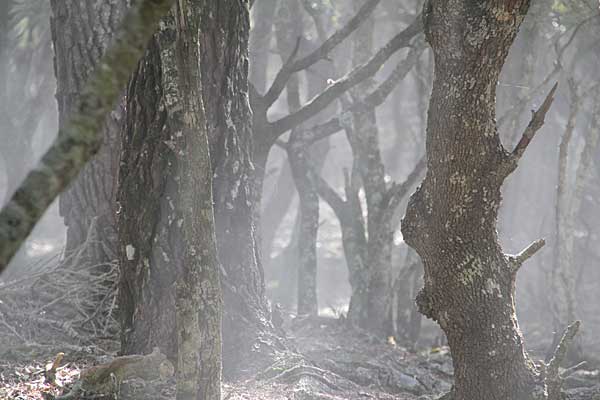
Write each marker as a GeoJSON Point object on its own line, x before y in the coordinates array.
{"type": "Point", "coordinates": [52, 317]}
{"type": "Point", "coordinates": [329, 362]}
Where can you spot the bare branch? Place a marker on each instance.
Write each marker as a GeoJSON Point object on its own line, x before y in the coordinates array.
{"type": "Point", "coordinates": [553, 378]}
{"type": "Point", "coordinates": [327, 193]}
{"type": "Point", "coordinates": [291, 66]}
{"type": "Point", "coordinates": [373, 100]}
{"type": "Point", "coordinates": [79, 140]}
{"type": "Point", "coordinates": [537, 121]}
{"type": "Point", "coordinates": [352, 79]}
{"type": "Point", "coordinates": [560, 353]}
{"type": "Point", "coordinates": [518, 259]}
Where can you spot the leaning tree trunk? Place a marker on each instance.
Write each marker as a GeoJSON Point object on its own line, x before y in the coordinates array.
{"type": "Point", "coordinates": [81, 33]}
{"type": "Point", "coordinates": [247, 331]}
{"type": "Point", "coordinates": [451, 219]}
{"type": "Point", "coordinates": [170, 293]}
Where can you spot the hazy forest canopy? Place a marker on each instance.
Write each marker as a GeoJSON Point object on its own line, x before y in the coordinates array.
{"type": "Point", "coordinates": [299, 199]}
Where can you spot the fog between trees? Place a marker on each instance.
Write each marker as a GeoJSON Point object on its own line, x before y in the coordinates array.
{"type": "Point", "coordinates": [300, 198]}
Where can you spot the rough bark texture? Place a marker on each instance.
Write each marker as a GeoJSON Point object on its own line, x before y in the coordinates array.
{"type": "Point", "coordinates": [81, 32]}
{"type": "Point", "coordinates": [451, 218]}
{"type": "Point", "coordinates": [170, 293]}
{"type": "Point", "coordinates": [247, 339]}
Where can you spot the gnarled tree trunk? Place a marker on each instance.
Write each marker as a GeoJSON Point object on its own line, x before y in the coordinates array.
{"type": "Point", "coordinates": [451, 219]}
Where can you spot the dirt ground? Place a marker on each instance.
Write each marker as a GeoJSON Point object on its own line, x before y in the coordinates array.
{"type": "Point", "coordinates": [327, 361]}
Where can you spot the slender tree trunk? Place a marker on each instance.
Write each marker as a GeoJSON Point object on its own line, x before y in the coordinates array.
{"type": "Point", "coordinates": [364, 140]}
{"type": "Point", "coordinates": [247, 331]}
{"type": "Point", "coordinates": [170, 294]}
{"type": "Point", "coordinates": [451, 218]}
{"type": "Point", "coordinates": [308, 229]}
{"type": "Point", "coordinates": [4, 68]}
{"type": "Point", "coordinates": [199, 297]}
{"type": "Point", "coordinates": [81, 33]}
{"type": "Point", "coordinates": [4, 59]}
{"type": "Point", "coordinates": [263, 14]}
{"type": "Point", "coordinates": [568, 209]}
{"type": "Point", "coordinates": [275, 209]}
{"type": "Point", "coordinates": [299, 159]}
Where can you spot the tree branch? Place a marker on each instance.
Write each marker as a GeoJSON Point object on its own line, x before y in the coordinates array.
{"type": "Point", "coordinates": [327, 193]}
{"type": "Point", "coordinates": [518, 259]}
{"type": "Point", "coordinates": [79, 140]}
{"type": "Point", "coordinates": [353, 78]}
{"type": "Point", "coordinates": [373, 100]}
{"type": "Point", "coordinates": [291, 66]}
{"type": "Point", "coordinates": [537, 121]}
{"type": "Point", "coordinates": [553, 379]}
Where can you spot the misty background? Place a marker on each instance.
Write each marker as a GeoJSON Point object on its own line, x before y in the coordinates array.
{"type": "Point", "coordinates": [559, 41]}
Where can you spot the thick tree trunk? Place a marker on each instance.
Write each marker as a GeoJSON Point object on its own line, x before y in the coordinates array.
{"type": "Point", "coordinates": [451, 219]}
{"type": "Point", "coordinates": [170, 293]}
{"type": "Point", "coordinates": [81, 33]}
{"type": "Point", "coordinates": [248, 333]}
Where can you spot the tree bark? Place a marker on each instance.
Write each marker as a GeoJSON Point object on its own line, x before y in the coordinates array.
{"type": "Point", "coordinates": [199, 297]}
{"type": "Point", "coordinates": [248, 335]}
{"type": "Point", "coordinates": [81, 33]}
{"type": "Point", "coordinates": [170, 295]}
{"type": "Point", "coordinates": [451, 219]}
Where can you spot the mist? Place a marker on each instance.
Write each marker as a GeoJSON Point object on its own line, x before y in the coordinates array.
{"type": "Point", "coordinates": [306, 199]}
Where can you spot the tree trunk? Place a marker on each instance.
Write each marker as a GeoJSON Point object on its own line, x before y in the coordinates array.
{"type": "Point", "coordinates": [308, 229]}
{"type": "Point", "coordinates": [170, 293]}
{"type": "Point", "coordinates": [199, 296]}
{"type": "Point", "coordinates": [81, 33]}
{"type": "Point", "coordinates": [247, 330]}
{"type": "Point", "coordinates": [451, 219]}
{"type": "Point", "coordinates": [363, 136]}
{"type": "Point", "coordinates": [263, 14]}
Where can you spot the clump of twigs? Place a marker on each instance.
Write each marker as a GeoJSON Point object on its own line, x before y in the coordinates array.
{"type": "Point", "coordinates": [67, 300]}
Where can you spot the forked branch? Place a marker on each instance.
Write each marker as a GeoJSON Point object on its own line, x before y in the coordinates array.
{"type": "Point", "coordinates": [292, 65]}
{"type": "Point", "coordinates": [359, 74]}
